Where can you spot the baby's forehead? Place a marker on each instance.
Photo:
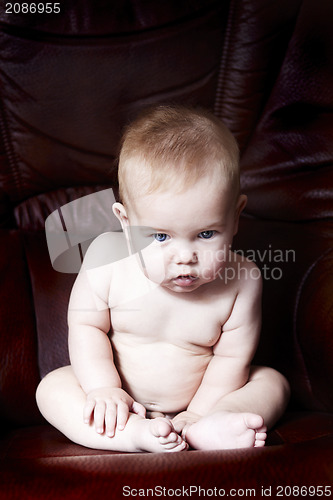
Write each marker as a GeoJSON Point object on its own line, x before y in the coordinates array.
{"type": "Point", "coordinates": [170, 201]}
{"type": "Point", "coordinates": [140, 179]}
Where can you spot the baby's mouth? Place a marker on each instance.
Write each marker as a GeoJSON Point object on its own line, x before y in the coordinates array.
{"type": "Point", "coordinates": [185, 280]}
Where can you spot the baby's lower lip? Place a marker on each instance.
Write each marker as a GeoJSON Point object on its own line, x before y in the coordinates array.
{"type": "Point", "coordinates": [185, 280]}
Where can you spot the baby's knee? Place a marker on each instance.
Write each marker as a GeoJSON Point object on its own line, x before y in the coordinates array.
{"type": "Point", "coordinates": [277, 382]}
{"type": "Point", "coordinates": [44, 391]}
{"type": "Point", "coordinates": [281, 382]}
{"type": "Point", "coordinates": [42, 394]}
{"type": "Point", "coordinates": [281, 385]}
{"type": "Point", "coordinates": [48, 389]}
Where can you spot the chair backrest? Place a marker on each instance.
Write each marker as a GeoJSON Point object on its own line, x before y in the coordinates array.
{"type": "Point", "coordinates": [70, 81]}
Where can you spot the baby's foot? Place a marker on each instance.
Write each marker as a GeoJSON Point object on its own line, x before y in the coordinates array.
{"type": "Point", "coordinates": [226, 430]}
{"type": "Point", "coordinates": [158, 435]}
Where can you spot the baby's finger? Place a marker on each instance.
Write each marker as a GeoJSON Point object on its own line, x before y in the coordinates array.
{"type": "Point", "coordinates": [139, 409]}
{"type": "Point", "coordinates": [110, 419]}
{"type": "Point", "coordinates": [99, 416]}
{"type": "Point", "coordinates": [122, 415]}
{"type": "Point", "coordinates": [88, 410]}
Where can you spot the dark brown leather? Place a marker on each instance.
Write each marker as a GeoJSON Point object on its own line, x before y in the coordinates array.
{"type": "Point", "coordinates": [66, 132]}
{"type": "Point", "coordinates": [296, 264]}
{"type": "Point", "coordinates": [273, 469]}
{"type": "Point", "coordinates": [69, 83]}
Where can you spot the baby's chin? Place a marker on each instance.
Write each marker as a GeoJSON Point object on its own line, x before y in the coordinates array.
{"type": "Point", "coordinates": [176, 287]}
{"type": "Point", "coordinates": [181, 284]}
{"type": "Point", "coordinates": [181, 290]}
{"type": "Point", "coordinates": [181, 287]}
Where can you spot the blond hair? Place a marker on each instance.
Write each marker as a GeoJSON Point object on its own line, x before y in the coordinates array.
{"type": "Point", "coordinates": [174, 146]}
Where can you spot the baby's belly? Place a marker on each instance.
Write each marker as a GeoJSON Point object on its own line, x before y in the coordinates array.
{"type": "Point", "coordinates": [163, 377]}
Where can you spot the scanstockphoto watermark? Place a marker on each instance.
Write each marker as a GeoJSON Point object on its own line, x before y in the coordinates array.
{"type": "Point", "coordinates": [241, 272]}
{"type": "Point", "coordinates": [268, 255]}
{"type": "Point", "coordinates": [269, 260]}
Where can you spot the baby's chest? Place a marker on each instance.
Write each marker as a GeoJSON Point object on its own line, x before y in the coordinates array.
{"type": "Point", "coordinates": [153, 319]}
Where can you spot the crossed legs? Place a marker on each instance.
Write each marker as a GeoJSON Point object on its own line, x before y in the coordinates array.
{"type": "Point", "coordinates": [239, 420]}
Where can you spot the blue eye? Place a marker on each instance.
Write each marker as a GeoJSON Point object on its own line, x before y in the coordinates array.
{"type": "Point", "coordinates": [206, 234]}
{"type": "Point", "coordinates": [160, 237]}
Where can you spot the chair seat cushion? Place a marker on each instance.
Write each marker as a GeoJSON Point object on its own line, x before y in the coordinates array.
{"type": "Point", "coordinates": [44, 441]}
{"type": "Point", "coordinates": [38, 462]}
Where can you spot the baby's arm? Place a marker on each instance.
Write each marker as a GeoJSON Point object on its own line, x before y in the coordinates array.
{"type": "Point", "coordinates": [229, 367]}
{"type": "Point", "coordinates": [91, 354]}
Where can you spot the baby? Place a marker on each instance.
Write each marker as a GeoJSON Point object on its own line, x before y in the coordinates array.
{"type": "Point", "coordinates": [176, 370]}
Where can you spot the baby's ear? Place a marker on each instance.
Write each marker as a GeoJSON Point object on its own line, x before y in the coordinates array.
{"type": "Point", "coordinates": [120, 212]}
{"type": "Point", "coordinates": [241, 203]}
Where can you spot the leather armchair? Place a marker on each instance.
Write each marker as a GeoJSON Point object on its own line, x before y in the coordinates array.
{"type": "Point", "coordinates": [70, 81]}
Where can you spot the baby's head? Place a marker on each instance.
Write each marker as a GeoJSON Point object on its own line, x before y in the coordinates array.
{"type": "Point", "coordinates": [169, 148]}
{"type": "Point", "coordinates": [179, 189]}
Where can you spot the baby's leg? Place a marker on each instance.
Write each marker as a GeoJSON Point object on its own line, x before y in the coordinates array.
{"type": "Point", "coordinates": [61, 399]}
{"type": "Point", "coordinates": [241, 419]}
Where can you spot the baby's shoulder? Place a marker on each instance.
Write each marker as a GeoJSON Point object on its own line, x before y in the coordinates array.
{"type": "Point", "coordinates": [242, 262]}
{"type": "Point", "coordinates": [240, 273]}
{"type": "Point", "coordinates": [105, 250]}
{"type": "Point", "coordinates": [248, 277]}
{"type": "Point", "coordinates": [102, 257]}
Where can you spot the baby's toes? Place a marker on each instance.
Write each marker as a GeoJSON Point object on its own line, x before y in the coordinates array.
{"type": "Point", "coordinates": [171, 438]}
{"type": "Point", "coordinates": [161, 428]}
{"type": "Point", "coordinates": [260, 438]}
{"type": "Point", "coordinates": [178, 444]}
{"type": "Point", "coordinates": [253, 421]}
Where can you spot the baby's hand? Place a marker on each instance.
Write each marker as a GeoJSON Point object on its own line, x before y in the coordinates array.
{"type": "Point", "coordinates": [109, 407]}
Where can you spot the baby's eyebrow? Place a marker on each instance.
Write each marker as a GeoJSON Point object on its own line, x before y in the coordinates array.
{"type": "Point", "coordinates": [215, 224]}
{"type": "Point", "coordinates": [159, 230]}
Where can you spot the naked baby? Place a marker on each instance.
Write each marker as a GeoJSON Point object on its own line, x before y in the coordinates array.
{"type": "Point", "coordinates": [160, 342]}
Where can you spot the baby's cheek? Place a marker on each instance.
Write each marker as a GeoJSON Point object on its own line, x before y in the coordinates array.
{"type": "Point", "coordinates": [212, 268]}
{"type": "Point", "coordinates": [154, 265]}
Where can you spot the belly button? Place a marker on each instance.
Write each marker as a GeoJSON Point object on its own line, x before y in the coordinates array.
{"type": "Point", "coordinates": [150, 405]}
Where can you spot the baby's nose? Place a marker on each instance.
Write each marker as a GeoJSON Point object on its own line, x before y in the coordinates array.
{"type": "Point", "coordinates": [186, 256]}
